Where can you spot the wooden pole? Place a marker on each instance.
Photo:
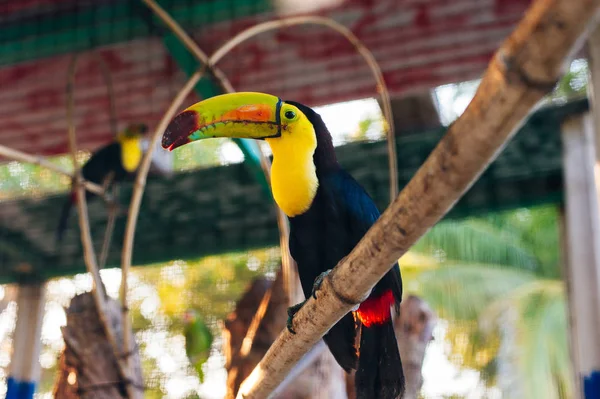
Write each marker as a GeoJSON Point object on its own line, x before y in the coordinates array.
{"type": "Point", "coordinates": [25, 364]}
{"type": "Point", "coordinates": [581, 159]}
{"type": "Point", "coordinates": [521, 73]}
{"type": "Point", "coordinates": [582, 249]}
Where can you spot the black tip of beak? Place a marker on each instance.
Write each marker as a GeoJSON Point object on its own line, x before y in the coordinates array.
{"type": "Point", "coordinates": [179, 129]}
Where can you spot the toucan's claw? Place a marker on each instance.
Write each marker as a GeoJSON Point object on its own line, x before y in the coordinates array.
{"type": "Point", "coordinates": [291, 311]}
{"type": "Point", "coordinates": [318, 282]}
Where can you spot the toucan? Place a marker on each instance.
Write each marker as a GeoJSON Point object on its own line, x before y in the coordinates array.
{"type": "Point", "coordinates": [114, 162]}
{"type": "Point", "coordinates": [328, 211]}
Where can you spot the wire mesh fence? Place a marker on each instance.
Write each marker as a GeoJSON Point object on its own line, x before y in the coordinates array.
{"type": "Point", "coordinates": [308, 64]}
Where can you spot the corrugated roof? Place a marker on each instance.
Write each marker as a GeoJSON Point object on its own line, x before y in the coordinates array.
{"type": "Point", "coordinates": [419, 44]}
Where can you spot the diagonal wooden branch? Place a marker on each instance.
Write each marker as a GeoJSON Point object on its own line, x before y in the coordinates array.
{"type": "Point", "coordinates": [524, 69]}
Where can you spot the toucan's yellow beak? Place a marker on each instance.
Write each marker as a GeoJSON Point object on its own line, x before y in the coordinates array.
{"type": "Point", "coordinates": [235, 115]}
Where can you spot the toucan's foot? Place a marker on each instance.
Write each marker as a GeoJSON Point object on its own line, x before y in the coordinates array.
{"type": "Point", "coordinates": [291, 311]}
{"type": "Point", "coordinates": [318, 282]}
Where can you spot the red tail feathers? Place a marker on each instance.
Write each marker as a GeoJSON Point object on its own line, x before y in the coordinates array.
{"type": "Point", "coordinates": [379, 374]}
{"type": "Point", "coordinates": [376, 310]}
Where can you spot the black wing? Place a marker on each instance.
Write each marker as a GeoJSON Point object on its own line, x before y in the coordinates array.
{"type": "Point", "coordinates": [361, 213]}
{"type": "Point", "coordinates": [104, 161]}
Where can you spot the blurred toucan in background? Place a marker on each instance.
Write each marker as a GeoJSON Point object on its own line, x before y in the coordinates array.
{"type": "Point", "coordinates": [329, 213]}
{"type": "Point", "coordinates": [114, 162]}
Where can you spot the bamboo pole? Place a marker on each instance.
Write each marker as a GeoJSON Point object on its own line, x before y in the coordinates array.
{"type": "Point", "coordinates": [524, 69]}
{"type": "Point", "coordinates": [136, 200]}
{"type": "Point", "coordinates": [287, 262]}
{"type": "Point", "coordinates": [89, 254]}
{"type": "Point", "coordinates": [110, 227]}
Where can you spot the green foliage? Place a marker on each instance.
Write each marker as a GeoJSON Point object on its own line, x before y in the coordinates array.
{"type": "Point", "coordinates": [18, 179]}
{"type": "Point", "coordinates": [464, 292]}
{"type": "Point", "coordinates": [199, 155]}
{"type": "Point", "coordinates": [476, 241]}
{"type": "Point", "coordinates": [22, 179]}
{"type": "Point", "coordinates": [198, 340]}
{"type": "Point", "coordinates": [210, 285]}
{"type": "Point", "coordinates": [573, 83]}
{"type": "Point", "coordinates": [363, 128]}
{"type": "Point", "coordinates": [493, 267]}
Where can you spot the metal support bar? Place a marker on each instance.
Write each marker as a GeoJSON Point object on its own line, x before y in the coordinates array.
{"type": "Point", "coordinates": [24, 372]}
{"type": "Point", "coordinates": [582, 252]}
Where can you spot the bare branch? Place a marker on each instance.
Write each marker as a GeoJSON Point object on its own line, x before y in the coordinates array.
{"type": "Point", "coordinates": [136, 200]}
{"type": "Point", "coordinates": [110, 227]}
{"type": "Point", "coordinates": [524, 69]}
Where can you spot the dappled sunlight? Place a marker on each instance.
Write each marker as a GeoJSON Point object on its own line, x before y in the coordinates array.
{"type": "Point", "coordinates": [442, 378]}
{"type": "Point", "coordinates": [468, 293]}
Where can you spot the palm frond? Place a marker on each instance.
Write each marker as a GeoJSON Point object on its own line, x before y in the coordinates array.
{"type": "Point", "coordinates": [464, 291]}
{"type": "Point", "coordinates": [475, 241]}
{"type": "Point", "coordinates": [541, 350]}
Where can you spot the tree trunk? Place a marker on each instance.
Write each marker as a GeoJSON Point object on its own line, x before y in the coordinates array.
{"type": "Point", "coordinates": [87, 367]}
{"type": "Point", "coordinates": [414, 329]}
{"type": "Point", "coordinates": [322, 379]}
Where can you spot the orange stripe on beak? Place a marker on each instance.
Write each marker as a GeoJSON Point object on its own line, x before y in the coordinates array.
{"type": "Point", "coordinates": [249, 113]}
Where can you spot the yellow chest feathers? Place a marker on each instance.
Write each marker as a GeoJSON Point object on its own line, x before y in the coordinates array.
{"type": "Point", "coordinates": [131, 153]}
{"type": "Point", "coordinates": [293, 176]}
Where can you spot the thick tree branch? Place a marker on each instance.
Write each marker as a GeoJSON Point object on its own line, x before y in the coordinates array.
{"type": "Point", "coordinates": [520, 74]}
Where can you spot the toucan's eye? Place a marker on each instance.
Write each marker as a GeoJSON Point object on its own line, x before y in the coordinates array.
{"type": "Point", "coordinates": [290, 114]}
